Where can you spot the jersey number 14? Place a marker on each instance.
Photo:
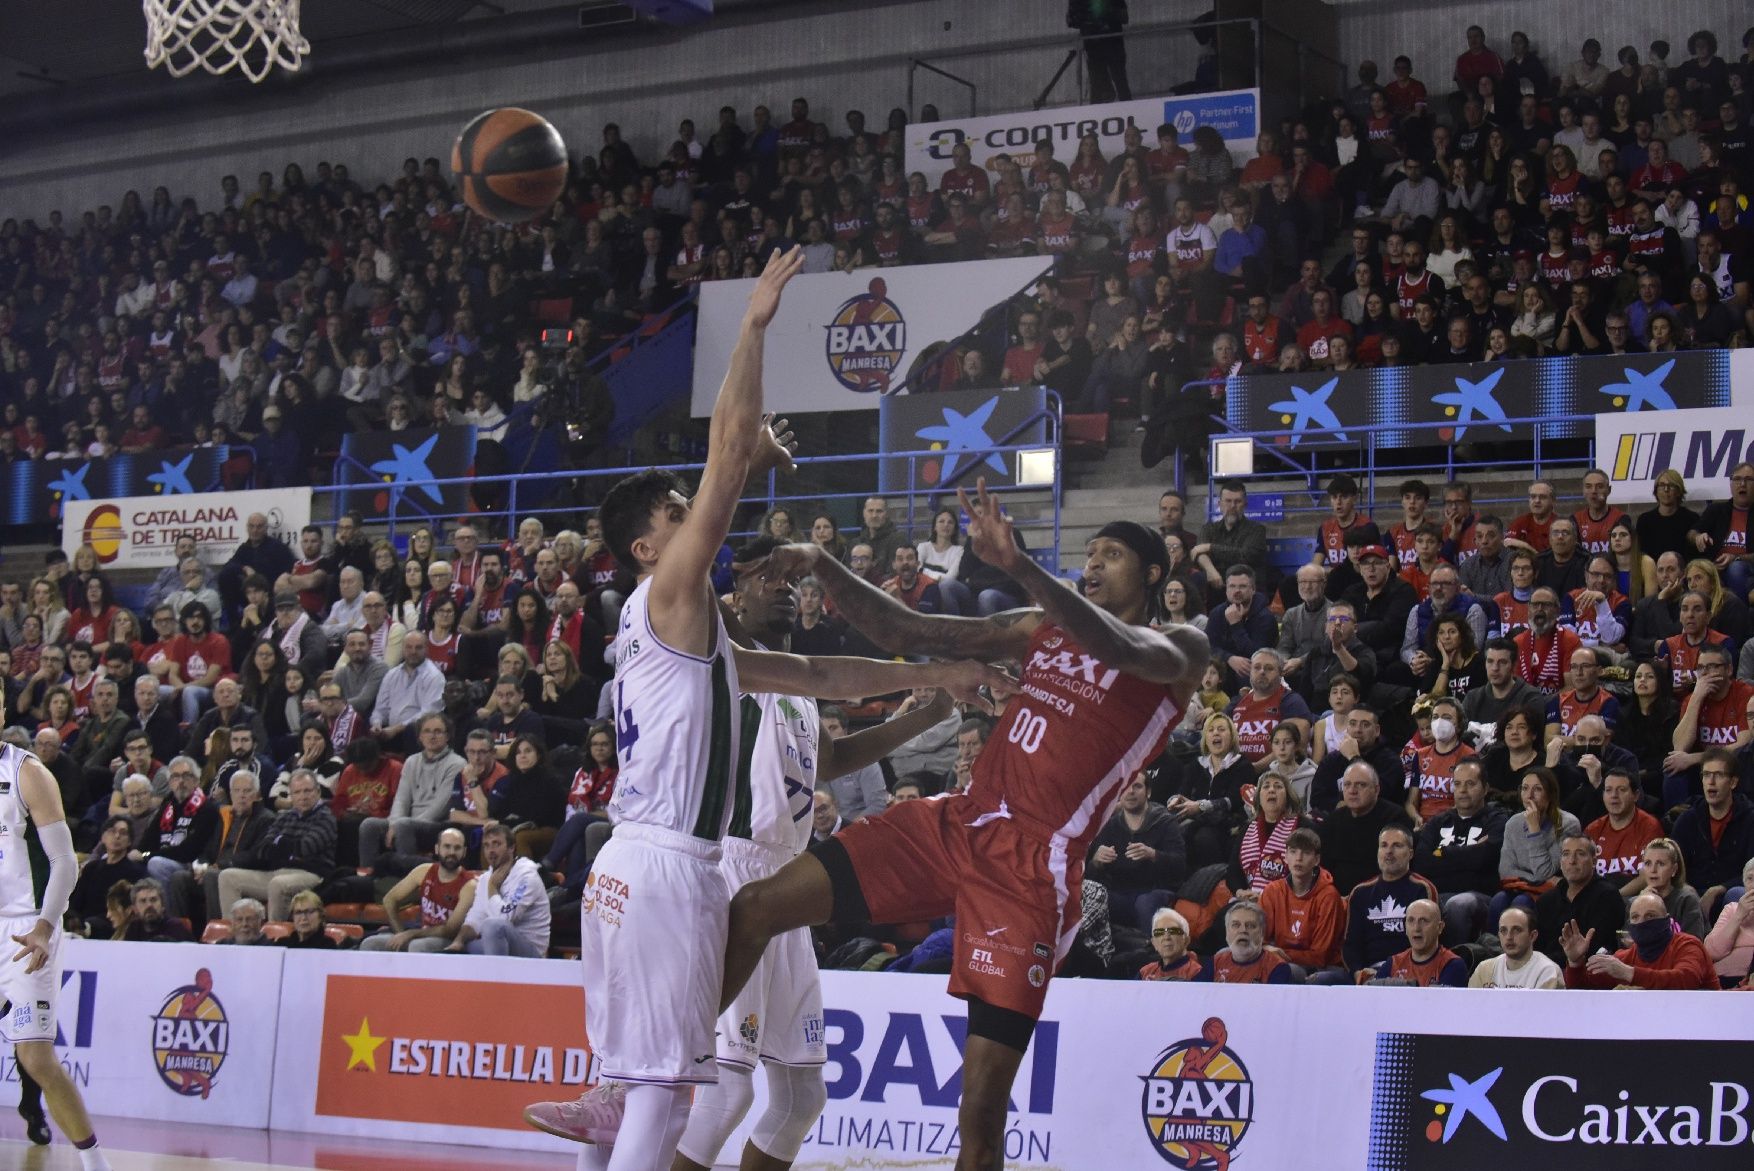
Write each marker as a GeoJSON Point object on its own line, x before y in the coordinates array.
{"type": "Point", "coordinates": [626, 731]}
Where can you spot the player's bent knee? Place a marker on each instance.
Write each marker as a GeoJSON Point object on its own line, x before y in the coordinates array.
{"type": "Point", "coordinates": [37, 1058]}
{"type": "Point", "coordinates": [717, 1111]}
{"type": "Point", "coordinates": [796, 1097]}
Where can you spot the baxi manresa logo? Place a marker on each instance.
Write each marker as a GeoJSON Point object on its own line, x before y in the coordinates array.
{"type": "Point", "coordinates": [866, 340]}
{"type": "Point", "coordinates": [189, 1037]}
{"type": "Point", "coordinates": [1198, 1100]}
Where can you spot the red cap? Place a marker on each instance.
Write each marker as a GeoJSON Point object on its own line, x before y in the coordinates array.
{"type": "Point", "coordinates": [1374, 551]}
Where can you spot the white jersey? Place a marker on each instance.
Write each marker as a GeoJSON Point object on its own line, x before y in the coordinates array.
{"type": "Point", "coordinates": [780, 763]}
{"type": "Point", "coordinates": [24, 868]}
{"type": "Point", "coordinates": [676, 728]}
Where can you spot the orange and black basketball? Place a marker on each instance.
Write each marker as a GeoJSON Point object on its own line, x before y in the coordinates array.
{"type": "Point", "coordinates": [510, 163]}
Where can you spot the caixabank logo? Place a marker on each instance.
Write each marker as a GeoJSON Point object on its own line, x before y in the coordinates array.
{"type": "Point", "coordinates": [190, 1036]}
{"type": "Point", "coordinates": [867, 339]}
{"type": "Point", "coordinates": [1198, 1100]}
{"type": "Point", "coordinates": [1442, 1102]}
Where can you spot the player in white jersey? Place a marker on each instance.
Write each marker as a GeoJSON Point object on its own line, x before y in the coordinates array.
{"type": "Point", "coordinates": [37, 874]}
{"type": "Point", "coordinates": [777, 1018]}
{"type": "Point", "coordinates": [655, 907]}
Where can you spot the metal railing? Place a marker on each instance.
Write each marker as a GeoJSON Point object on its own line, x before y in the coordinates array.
{"type": "Point", "coordinates": [580, 489]}
{"type": "Point", "coordinates": [1539, 452]}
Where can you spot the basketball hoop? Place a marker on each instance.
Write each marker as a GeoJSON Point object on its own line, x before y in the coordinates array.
{"type": "Point", "coordinates": [252, 36]}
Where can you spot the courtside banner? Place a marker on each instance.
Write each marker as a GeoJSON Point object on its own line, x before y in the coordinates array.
{"type": "Point", "coordinates": [140, 532]}
{"type": "Point", "coordinates": [435, 1048]}
{"type": "Point", "coordinates": [1201, 1077]}
{"type": "Point", "coordinates": [1235, 114]}
{"type": "Point", "coordinates": [841, 340]}
{"type": "Point", "coordinates": [169, 1032]}
{"type": "Point", "coordinates": [1703, 445]}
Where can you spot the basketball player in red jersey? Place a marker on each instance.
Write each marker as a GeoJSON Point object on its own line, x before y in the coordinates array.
{"type": "Point", "coordinates": [1099, 694]}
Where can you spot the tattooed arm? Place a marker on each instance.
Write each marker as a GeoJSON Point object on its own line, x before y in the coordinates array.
{"type": "Point", "coordinates": [888, 623]}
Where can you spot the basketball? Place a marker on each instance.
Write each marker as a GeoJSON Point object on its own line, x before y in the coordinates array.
{"type": "Point", "coordinates": [1213, 1031]}
{"type": "Point", "coordinates": [510, 164]}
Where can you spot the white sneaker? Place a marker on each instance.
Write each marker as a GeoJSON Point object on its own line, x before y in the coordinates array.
{"type": "Point", "coordinates": [594, 1117]}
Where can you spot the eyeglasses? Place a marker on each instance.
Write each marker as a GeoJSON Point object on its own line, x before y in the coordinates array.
{"type": "Point", "coordinates": [1158, 932]}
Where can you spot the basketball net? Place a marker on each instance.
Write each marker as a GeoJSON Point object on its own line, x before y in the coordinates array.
{"type": "Point", "coordinates": [252, 36]}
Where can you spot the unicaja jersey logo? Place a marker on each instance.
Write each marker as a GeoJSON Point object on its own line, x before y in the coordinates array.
{"type": "Point", "coordinates": [1197, 1101]}
{"type": "Point", "coordinates": [866, 340]}
{"type": "Point", "coordinates": [189, 1037]}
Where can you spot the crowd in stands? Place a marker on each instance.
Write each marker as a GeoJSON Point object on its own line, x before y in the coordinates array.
{"type": "Point", "coordinates": [1533, 210]}
{"type": "Point", "coordinates": [1457, 747]}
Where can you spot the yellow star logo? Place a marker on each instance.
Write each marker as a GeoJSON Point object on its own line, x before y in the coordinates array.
{"type": "Point", "coordinates": [363, 1047]}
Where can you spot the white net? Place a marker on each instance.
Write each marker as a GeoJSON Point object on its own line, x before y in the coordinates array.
{"type": "Point", "coordinates": [251, 36]}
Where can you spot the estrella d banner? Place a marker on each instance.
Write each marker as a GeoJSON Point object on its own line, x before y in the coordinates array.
{"type": "Point", "coordinates": [842, 341]}
{"type": "Point", "coordinates": [1475, 402]}
{"type": "Point", "coordinates": [961, 428]}
{"type": "Point", "coordinates": [39, 490]}
{"type": "Point", "coordinates": [394, 475]}
{"type": "Point", "coordinates": [1234, 114]}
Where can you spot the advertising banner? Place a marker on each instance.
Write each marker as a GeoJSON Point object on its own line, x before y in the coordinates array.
{"type": "Point", "coordinates": [1703, 445]}
{"type": "Point", "coordinates": [393, 472]}
{"type": "Point", "coordinates": [1470, 402]}
{"type": "Point", "coordinates": [140, 532]}
{"type": "Point", "coordinates": [168, 1032]}
{"type": "Point", "coordinates": [1235, 114]}
{"type": "Point", "coordinates": [39, 490]}
{"type": "Point", "coordinates": [841, 340]}
{"type": "Point", "coordinates": [435, 1048]}
{"type": "Point", "coordinates": [965, 425]}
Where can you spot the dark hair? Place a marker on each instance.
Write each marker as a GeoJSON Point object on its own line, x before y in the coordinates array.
{"type": "Point", "coordinates": [1535, 716]}
{"type": "Point", "coordinates": [1506, 645]}
{"type": "Point", "coordinates": [1345, 678]}
{"type": "Point", "coordinates": [113, 821]}
{"type": "Point", "coordinates": [1463, 630]}
{"type": "Point", "coordinates": [534, 742]}
{"type": "Point", "coordinates": [626, 512]}
{"type": "Point", "coordinates": [1233, 485]}
{"type": "Point", "coordinates": [1240, 570]}
{"type": "Point", "coordinates": [364, 752]}
{"type": "Point", "coordinates": [754, 549]}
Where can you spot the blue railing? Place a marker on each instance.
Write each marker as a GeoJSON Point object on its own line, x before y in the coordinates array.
{"type": "Point", "coordinates": [563, 507]}
{"type": "Point", "coordinates": [1315, 463]}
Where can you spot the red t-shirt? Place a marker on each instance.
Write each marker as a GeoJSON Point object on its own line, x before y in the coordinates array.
{"type": "Point", "coordinates": [195, 658]}
{"type": "Point", "coordinates": [1333, 538]}
{"type": "Point", "coordinates": [1620, 850]}
{"type": "Point", "coordinates": [1403, 966]}
{"type": "Point", "coordinates": [1722, 720]}
{"type": "Point", "coordinates": [1256, 718]}
{"type": "Point", "coordinates": [1261, 340]}
{"type": "Point", "coordinates": [1544, 662]}
{"type": "Point", "coordinates": [1531, 531]}
{"type": "Point", "coordinates": [1434, 776]}
{"type": "Point", "coordinates": [1227, 971]}
{"type": "Point", "coordinates": [1313, 337]}
{"type": "Point", "coordinates": [1683, 659]}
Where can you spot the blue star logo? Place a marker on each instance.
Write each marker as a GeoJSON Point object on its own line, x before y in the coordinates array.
{"type": "Point", "coordinates": [968, 433]}
{"type": "Point", "coordinates": [173, 479]}
{"type": "Point", "coordinates": [1466, 1097]}
{"type": "Point", "coordinates": [1642, 392]}
{"type": "Point", "coordinates": [71, 484]}
{"type": "Point", "coordinates": [1470, 399]}
{"type": "Point", "coordinates": [1309, 408]}
{"type": "Point", "coordinates": [409, 468]}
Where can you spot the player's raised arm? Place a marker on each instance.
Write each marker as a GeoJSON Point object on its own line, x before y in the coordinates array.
{"type": "Point", "coordinates": [737, 440]}
{"type": "Point", "coordinates": [892, 626]}
{"type": "Point", "coordinates": [837, 758]}
{"type": "Point", "coordinates": [836, 677]}
{"type": "Point", "coordinates": [1120, 640]}
{"type": "Point", "coordinates": [42, 800]}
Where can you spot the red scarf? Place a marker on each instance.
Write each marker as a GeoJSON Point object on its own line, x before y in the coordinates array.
{"type": "Point", "coordinates": [1538, 659]}
{"type": "Point", "coordinates": [1264, 860]}
{"type": "Point", "coordinates": [190, 808]}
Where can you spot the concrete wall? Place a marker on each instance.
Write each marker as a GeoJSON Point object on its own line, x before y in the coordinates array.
{"type": "Point", "coordinates": [838, 55]}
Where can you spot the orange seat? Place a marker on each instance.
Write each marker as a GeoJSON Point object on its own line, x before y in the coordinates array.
{"type": "Point", "coordinates": [343, 912]}
{"type": "Point", "coordinates": [373, 914]}
{"type": "Point", "coordinates": [342, 932]}
{"type": "Point", "coordinates": [1085, 433]}
{"type": "Point", "coordinates": [554, 311]}
{"type": "Point", "coordinates": [275, 932]}
{"type": "Point", "coordinates": [217, 930]}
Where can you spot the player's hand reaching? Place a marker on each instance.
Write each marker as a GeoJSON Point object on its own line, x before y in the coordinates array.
{"type": "Point", "coordinates": [35, 944]}
{"type": "Point", "coordinates": [791, 562]}
{"type": "Point", "coordinates": [976, 684]}
{"type": "Point", "coordinates": [764, 302]}
{"type": "Point", "coordinates": [774, 448]}
{"type": "Point", "coordinates": [989, 529]}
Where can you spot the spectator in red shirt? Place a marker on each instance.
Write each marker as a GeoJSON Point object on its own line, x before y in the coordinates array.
{"type": "Point", "coordinates": [1247, 960]}
{"type": "Point", "coordinates": [1476, 62]}
{"type": "Point", "coordinates": [1406, 93]}
{"type": "Point", "coordinates": [965, 179]}
{"type": "Point", "coordinates": [1713, 717]}
{"type": "Point", "coordinates": [1426, 963]}
{"type": "Point", "coordinates": [142, 433]}
{"type": "Point", "coordinates": [1169, 939]}
{"type": "Point", "coordinates": [914, 587]}
{"type": "Point", "coordinates": [1529, 531]}
{"type": "Point", "coordinates": [1322, 326]}
{"type": "Point", "coordinates": [1020, 359]}
{"type": "Point", "coordinates": [1661, 955]}
{"type": "Point", "coordinates": [201, 656]}
{"type": "Point", "coordinates": [1262, 333]}
{"type": "Point", "coordinates": [1306, 918]}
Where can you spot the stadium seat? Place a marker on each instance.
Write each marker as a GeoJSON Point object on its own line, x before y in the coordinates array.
{"type": "Point", "coordinates": [554, 311]}
{"type": "Point", "coordinates": [344, 934]}
{"type": "Point", "coordinates": [216, 931]}
{"type": "Point", "coordinates": [275, 932]}
{"type": "Point", "coordinates": [1085, 435]}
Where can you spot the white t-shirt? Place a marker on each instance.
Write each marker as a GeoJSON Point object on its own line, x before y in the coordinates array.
{"type": "Point", "coordinates": [1537, 972]}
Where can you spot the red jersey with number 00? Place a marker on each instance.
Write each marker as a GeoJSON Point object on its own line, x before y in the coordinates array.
{"type": "Point", "coordinates": [1070, 740]}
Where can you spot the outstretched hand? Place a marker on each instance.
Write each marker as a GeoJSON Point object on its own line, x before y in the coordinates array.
{"type": "Point", "coordinates": [790, 562]}
{"type": "Point", "coordinates": [965, 681]}
{"type": "Point", "coordinates": [774, 448]}
{"type": "Point", "coordinates": [989, 530]}
{"type": "Point", "coordinates": [1574, 943]}
{"type": "Point", "coordinates": [764, 302]}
